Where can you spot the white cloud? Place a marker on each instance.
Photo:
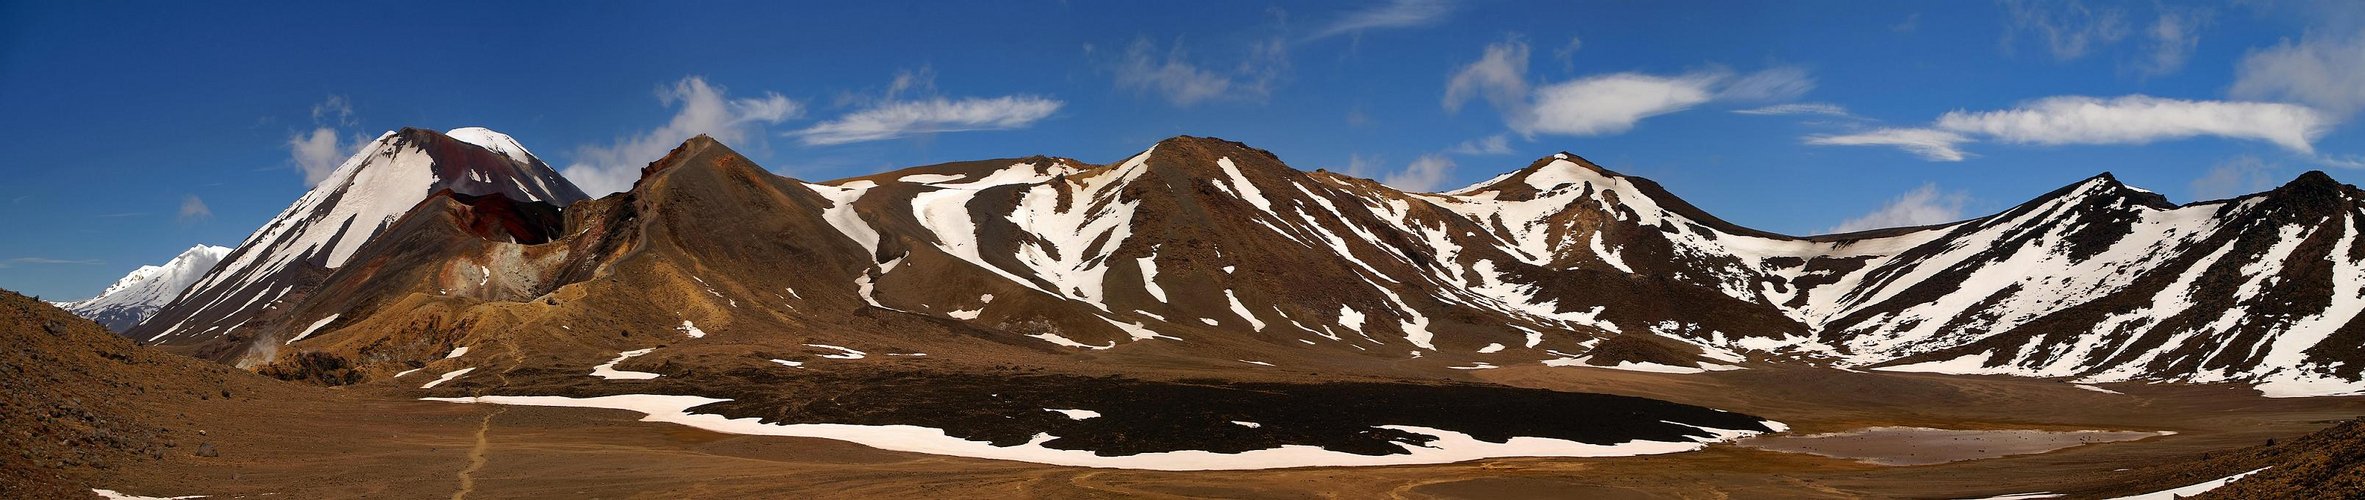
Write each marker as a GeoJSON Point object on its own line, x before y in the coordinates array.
{"type": "Point", "coordinates": [2327, 72]}
{"type": "Point", "coordinates": [1603, 104]}
{"type": "Point", "coordinates": [2234, 177]}
{"type": "Point", "coordinates": [1425, 174]}
{"type": "Point", "coordinates": [318, 153]}
{"type": "Point", "coordinates": [2134, 119]}
{"type": "Point", "coordinates": [1612, 104]}
{"type": "Point", "coordinates": [194, 210]}
{"type": "Point", "coordinates": [1803, 108]}
{"type": "Point", "coordinates": [1497, 144]}
{"type": "Point", "coordinates": [1499, 76]}
{"type": "Point", "coordinates": [1922, 206]}
{"type": "Point", "coordinates": [2069, 29]}
{"type": "Point", "coordinates": [1182, 83]}
{"type": "Point", "coordinates": [1933, 145]}
{"type": "Point", "coordinates": [703, 109]}
{"type": "Point", "coordinates": [2140, 119]}
{"type": "Point", "coordinates": [1394, 14]}
{"type": "Point", "coordinates": [901, 118]}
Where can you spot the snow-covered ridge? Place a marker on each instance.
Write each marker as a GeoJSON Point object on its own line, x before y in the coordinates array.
{"type": "Point", "coordinates": [148, 288]}
{"type": "Point", "coordinates": [1852, 300]}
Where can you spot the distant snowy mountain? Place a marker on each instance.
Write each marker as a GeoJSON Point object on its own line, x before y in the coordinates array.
{"type": "Point", "coordinates": [146, 289]}
{"type": "Point", "coordinates": [289, 255]}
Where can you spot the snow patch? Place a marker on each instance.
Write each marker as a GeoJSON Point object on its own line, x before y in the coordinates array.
{"type": "Point", "coordinates": [1074, 414]}
{"type": "Point", "coordinates": [1448, 447]}
{"type": "Point", "coordinates": [608, 370]}
{"type": "Point", "coordinates": [447, 377]}
{"type": "Point", "coordinates": [315, 327]}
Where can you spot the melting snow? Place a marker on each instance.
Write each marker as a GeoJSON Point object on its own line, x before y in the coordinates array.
{"type": "Point", "coordinates": [1449, 446]}
{"type": "Point", "coordinates": [2189, 491]}
{"type": "Point", "coordinates": [691, 330]}
{"type": "Point", "coordinates": [457, 352]}
{"type": "Point", "coordinates": [1075, 414]}
{"type": "Point", "coordinates": [114, 495]}
{"type": "Point", "coordinates": [843, 353]}
{"type": "Point", "coordinates": [1065, 342]}
{"type": "Point", "coordinates": [608, 370]}
{"type": "Point", "coordinates": [315, 327]}
{"type": "Point", "coordinates": [1243, 423]}
{"type": "Point", "coordinates": [1242, 310]}
{"type": "Point", "coordinates": [447, 377]}
{"type": "Point", "coordinates": [788, 363]}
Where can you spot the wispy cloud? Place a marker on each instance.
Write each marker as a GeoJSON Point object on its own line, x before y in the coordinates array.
{"type": "Point", "coordinates": [194, 210]}
{"type": "Point", "coordinates": [1171, 74]}
{"type": "Point", "coordinates": [1603, 104]}
{"type": "Point", "coordinates": [1933, 145]}
{"type": "Point", "coordinates": [1497, 144]}
{"type": "Point", "coordinates": [2171, 40]}
{"type": "Point", "coordinates": [45, 261]}
{"type": "Point", "coordinates": [2234, 177]}
{"type": "Point", "coordinates": [1425, 174]}
{"type": "Point", "coordinates": [702, 109]}
{"type": "Point", "coordinates": [2069, 29]}
{"type": "Point", "coordinates": [1779, 83]}
{"type": "Point", "coordinates": [901, 118]}
{"type": "Point", "coordinates": [2080, 120]}
{"type": "Point", "coordinates": [1393, 14]}
{"type": "Point", "coordinates": [2323, 70]}
{"type": "Point", "coordinates": [1802, 108]}
{"type": "Point", "coordinates": [1922, 206]}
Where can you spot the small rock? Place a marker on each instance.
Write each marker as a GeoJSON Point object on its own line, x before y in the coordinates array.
{"type": "Point", "coordinates": [207, 450]}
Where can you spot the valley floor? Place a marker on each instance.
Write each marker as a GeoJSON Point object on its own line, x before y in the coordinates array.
{"type": "Point", "coordinates": [380, 443]}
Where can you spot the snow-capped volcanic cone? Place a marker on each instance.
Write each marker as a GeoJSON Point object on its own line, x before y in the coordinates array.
{"type": "Point", "coordinates": [292, 253]}
{"type": "Point", "coordinates": [139, 294]}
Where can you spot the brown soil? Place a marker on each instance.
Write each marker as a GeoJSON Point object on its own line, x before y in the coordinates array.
{"type": "Point", "coordinates": [377, 443]}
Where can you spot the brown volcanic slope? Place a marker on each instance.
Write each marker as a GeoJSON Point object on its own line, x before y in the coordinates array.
{"type": "Point", "coordinates": [711, 265]}
{"type": "Point", "coordinates": [234, 312]}
{"type": "Point", "coordinates": [1201, 257]}
{"type": "Point", "coordinates": [78, 403]}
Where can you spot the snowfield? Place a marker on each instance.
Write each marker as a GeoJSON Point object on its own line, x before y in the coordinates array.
{"type": "Point", "coordinates": [1449, 447]}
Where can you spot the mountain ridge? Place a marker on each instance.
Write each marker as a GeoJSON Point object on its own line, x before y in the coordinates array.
{"type": "Point", "coordinates": [1201, 248]}
{"type": "Point", "coordinates": [139, 294]}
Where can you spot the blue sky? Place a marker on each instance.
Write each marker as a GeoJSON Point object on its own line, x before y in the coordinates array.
{"type": "Point", "coordinates": [132, 130]}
